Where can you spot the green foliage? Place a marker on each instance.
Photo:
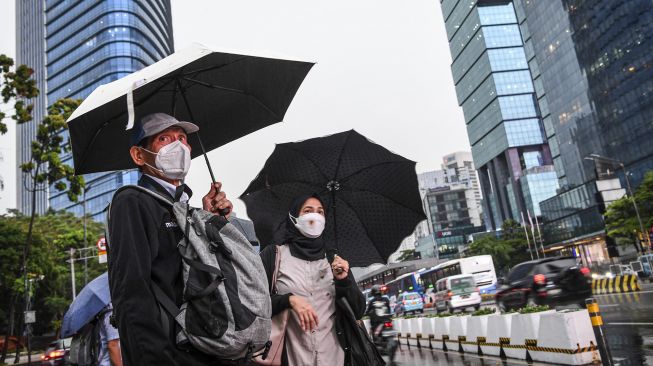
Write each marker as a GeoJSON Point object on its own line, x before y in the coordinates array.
{"type": "Point", "coordinates": [620, 218]}
{"type": "Point", "coordinates": [406, 255]}
{"type": "Point", "coordinates": [16, 84]}
{"type": "Point", "coordinates": [484, 311]}
{"type": "Point", "coordinates": [506, 251]}
{"type": "Point", "coordinates": [45, 166]}
{"type": "Point", "coordinates": [533, 309]}
{"type": "Point", "coordinates": [49, 273]}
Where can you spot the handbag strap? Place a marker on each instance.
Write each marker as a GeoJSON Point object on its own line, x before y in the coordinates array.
{"type": "Point", "coordinates": [277, 264]}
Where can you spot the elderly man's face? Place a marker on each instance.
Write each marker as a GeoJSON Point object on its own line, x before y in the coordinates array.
{"type": "Point", "coordinates": [154, 143]}
{"type": "Point", "coordinates": [165, 137]}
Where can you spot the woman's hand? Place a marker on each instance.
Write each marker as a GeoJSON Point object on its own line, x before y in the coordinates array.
{"type": "Point", "coordinates": [216, 200]}
{"type": "Point", "coordinates": [307, 316]}
{"type": "Point", "coordinates": [340, 268]}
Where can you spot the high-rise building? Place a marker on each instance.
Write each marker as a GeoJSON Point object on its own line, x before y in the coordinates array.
{"type": "Point", "coordinates": [452, 203]}
{"type": "Point", "coordinates": [30, 51]}
{"type": "Point", "coordinates": [85, 44]}
{"type": "Point", "coordinates": [491, 51]}
{"type": "Point", "coordinates": [594, 60]}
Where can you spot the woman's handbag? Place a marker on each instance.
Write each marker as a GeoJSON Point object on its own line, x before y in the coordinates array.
{"type": "Point", "coordinates": [279, 323]}
{"type": "Point", "coordinates": [361, 349]}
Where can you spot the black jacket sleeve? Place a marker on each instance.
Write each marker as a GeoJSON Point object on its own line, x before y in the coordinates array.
{"type": "Point", "coordinates": [131, 249]}
{"type": "Point", "coordinates": [348, 289]}
{"type": "Point", "coordinates": [279, 302]}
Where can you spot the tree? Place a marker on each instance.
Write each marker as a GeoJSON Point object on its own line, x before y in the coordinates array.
{"type": "Point", "coordinates": [621, 220]}
{"type": "Point", "coordinates": [45, 168]}
{"type": "Point", "coordinates": [19, 86]}
{"type": "Point", "coordinates": [54, 234]}
{"type": "Point", "coordinates": [507, 249]}
{"type": "Point", "coordinates": [406, 255]}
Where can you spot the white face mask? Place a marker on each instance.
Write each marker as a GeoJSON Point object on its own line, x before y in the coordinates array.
{"type": "Point", "coordinates": [311, 225]}
{"type": "Point", "coordinates": [173, 160]}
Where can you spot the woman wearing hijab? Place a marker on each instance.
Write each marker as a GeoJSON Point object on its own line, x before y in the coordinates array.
{"type": "Point", "coordinates": [309, 285]}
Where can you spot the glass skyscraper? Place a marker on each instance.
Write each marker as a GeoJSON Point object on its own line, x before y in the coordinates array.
{"type": "Point", "coordinates": [30, 50]}
{"type": "Point", "coordinates": [492, 70]}
{"type": "Point", "coordinates": [595, 60]}
{"type": "Point", "coordinates": [90, 43]}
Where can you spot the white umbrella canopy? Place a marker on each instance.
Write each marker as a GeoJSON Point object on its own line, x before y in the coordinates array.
{"type": "Point", "coordinates": [228, 94]}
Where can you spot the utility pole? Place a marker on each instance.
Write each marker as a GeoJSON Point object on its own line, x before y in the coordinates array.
{"type": "Point", "coordinates": [72, 272]}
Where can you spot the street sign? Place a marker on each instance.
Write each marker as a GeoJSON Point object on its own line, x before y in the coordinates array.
{"type": "Point", "coordinates": [102, 244]}
{"type": "Point", "coordinates": [30, 317]}
{"type": "Point", "coordinates": [102, 250]}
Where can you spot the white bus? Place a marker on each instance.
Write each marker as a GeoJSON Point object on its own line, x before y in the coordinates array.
{"type": "Point", "coordinates": [481, 267]}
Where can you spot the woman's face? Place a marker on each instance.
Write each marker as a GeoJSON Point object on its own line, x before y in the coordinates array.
{"type": "Point", "coordinates": [312, 205]}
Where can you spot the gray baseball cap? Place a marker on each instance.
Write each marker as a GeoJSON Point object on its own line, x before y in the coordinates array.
{"type": "Point", "coordinates": [154, 123]}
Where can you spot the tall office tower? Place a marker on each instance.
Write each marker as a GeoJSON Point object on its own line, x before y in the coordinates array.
{"type": "Point", "coordinates": [30, 51]}
{"type": "Point", "coordinates": [90, 43]}
{"type": "Point", "coordinates": [595, 62]}
{"type": "Point", "coordinates": [490, 48]}
{"type": "Point", "coordinates": [452, 203]}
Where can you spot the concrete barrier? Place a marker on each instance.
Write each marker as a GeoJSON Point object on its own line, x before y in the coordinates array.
{"type": "Point", "coordinates": [498, 333]}
{"type": "Point", "coordinates": [428, 333]}
{"type": "Point", "coordinates": [476, 332]}
{"type": "Point", "coordinates": [524, 329]}
{"type": "Point", "coordinates": [440, 332]}
{"type": "Point", "coordinates": [618, 284]}
{"type": "Point", "coordinates": [565, 338]}
{"type": "Point", "coordinates": [415, 331]}
{"type": "Point", "coordinates": [457, 332]}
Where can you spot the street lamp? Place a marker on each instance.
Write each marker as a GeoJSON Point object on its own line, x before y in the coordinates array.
{"type": "Point", "coordinates": [595, 157]}
{"type": "Point", "coordinates": [85, 188]}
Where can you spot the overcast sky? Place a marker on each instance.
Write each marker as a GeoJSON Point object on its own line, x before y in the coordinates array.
{"type": "Point", "coordinates": [383, 68]}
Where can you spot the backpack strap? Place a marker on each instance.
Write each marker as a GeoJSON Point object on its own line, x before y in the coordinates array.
{"type": "Point", "coordinates": [277, 264]}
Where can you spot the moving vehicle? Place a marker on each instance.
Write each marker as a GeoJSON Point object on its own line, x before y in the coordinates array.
{"type": "Point", "coordinates": [405, 283]}
{"type": "Point", "coordinates": [409, 302]}
{"type": "Point", "coordinates": [457, 292]}
{"type": "Point", "coordinates": [57, 353]}
{"type": "Point", "coordinates": [647, 264]}
{"type": "Point", "coordinates": [385, 339]}
{"type": "Point", "coordinates": [546, 281]}
{"type": "Point", "coordinates": [481, 267]}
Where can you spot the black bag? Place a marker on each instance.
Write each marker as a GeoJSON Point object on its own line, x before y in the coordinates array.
{"type": "Point", "coordinates": [361, 350]}
{"type": "Point", "coordinates": [85, 346]}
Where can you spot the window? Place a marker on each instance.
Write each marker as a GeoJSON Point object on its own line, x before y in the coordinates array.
{"type": "Point", "coordinates": [520, 272]}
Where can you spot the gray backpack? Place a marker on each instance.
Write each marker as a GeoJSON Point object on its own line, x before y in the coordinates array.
{"type": "Point", "coordinates": [227, 309]}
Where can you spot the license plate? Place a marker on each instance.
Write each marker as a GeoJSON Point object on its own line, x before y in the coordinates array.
{"type": "Point", "coordinates": [389, 333]}
{"type": "Point", "coordinates": [465, 296]}
{"type": "Point", "coordinates": [554, 291]}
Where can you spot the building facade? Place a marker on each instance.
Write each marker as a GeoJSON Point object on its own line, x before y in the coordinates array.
{"type": "Point", "coordinates": [30, 51]}
{"type": "Point", "coordinates": [491, 51]}
{"type": "Point", "coordinates": [89, 43]}
{"type": "Point", "coordinates": [595, 62]}
{"type": "Point", "coordinates": [452, 203]}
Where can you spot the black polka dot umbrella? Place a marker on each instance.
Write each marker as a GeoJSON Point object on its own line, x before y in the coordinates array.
{"type": "Point", "coordinates": [370, 194]}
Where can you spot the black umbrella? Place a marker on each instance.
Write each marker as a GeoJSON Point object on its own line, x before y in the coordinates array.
{"type": "Point", "coordinates": [227, 94]}
{"type": "Point", "coordinates": [371, 194]}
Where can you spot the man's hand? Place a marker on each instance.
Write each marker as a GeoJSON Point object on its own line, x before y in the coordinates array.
{"type": "Point", "coordinates": [114, 352]}
{"type": "Point", "coordinates": [215, 200]}
{"type": "Point", "coordinates": [340, 268]}
{"type": "Point", "coordinates": [307, 316]}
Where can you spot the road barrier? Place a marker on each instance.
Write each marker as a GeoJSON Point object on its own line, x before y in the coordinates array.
{"type": "Point", "coordinates": [597, 325]}
{"type": "Point", "coordinates": [617, 284]}
{"type": "Point", "coordinates": [564, 337]}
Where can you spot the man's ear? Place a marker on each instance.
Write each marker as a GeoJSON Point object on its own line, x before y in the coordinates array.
{"type": "Point", "coordinates": [137, 155]}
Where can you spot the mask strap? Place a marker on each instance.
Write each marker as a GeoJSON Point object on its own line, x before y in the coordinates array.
{"type": "Point", "coordinates": [292, 218]}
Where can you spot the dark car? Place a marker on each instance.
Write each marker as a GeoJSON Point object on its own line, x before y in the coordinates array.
{"type": "Point", "coordinates": [547, 281]}
{"type": "Point", "coordinates": [57, 353]}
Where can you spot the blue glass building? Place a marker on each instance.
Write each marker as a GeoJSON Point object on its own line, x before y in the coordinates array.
{"type": "Point", "coordinates": [595, 59]}
{"type": "Point", "coordinates": [494, 71]}
{"type": "Point", "coordinates": [93, 42]}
